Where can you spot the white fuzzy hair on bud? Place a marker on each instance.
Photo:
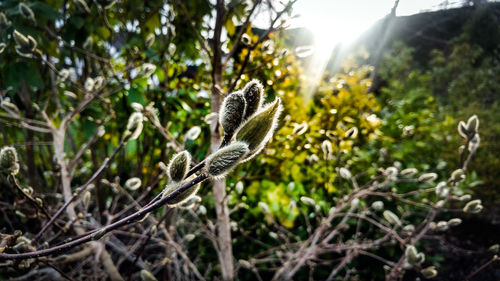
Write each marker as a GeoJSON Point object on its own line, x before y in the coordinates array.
{"type": "Point", "coordinates": [8, 160]}
{"type": "Point", "coordinates": [232, 113]}
{"type": "Point", "coordinates": [179, 166]}
{"type": "Point", "coordinates": [253, 94]}
{"type": "Point", "coordinates": [134, 126]}
{"type": "Point", "coordinates": [225, 159]}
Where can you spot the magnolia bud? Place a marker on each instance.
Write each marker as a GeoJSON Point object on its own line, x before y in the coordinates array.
{"type": "Point", "coordinates": [2, 47]}
{"type": "Point", "coordinates": [343, 172]}
{"type": "Point", "coordinates": [82, 6]}
{"type": "Point", "coordinates": [8, 160]}
{"type": "Point", "coordinates": [232, 113]}
{"type": "Point", "coordinates": [253, 92]}
{"type": "Point", "coordinates": [193, 133]}
{"type": "Point", "coordinates": [428, 177]}
{"type": "Point", "coordinates": [225, 159]}
{"type": "Point", "coordinates": [473, 124]}
{"type": "Point", "coordinates": [411, 254]}
{"type": "Point", "coordinates": [259, 129]}
{"type": "Point", "coordinates": [86, 198]}
{"type": "Point", "coordinates": [429, 272]}
{"type": "Point", "coordinates": [150, 40]}
{"type": "Point", "coordinates": [378, 205]}
{"type": "Point", "coordinates": [351, 133]}
{"type": "Point", "coordinates": [441, 189]}
{"type": "Point", "coordinates": [409, 172]}
{"type": "Point", "coordinates": [462, 129]}
{"type": "Point", "coordinates": [307, 200]}
{"type": "Point", "coordinates": [134, 126]}
{"type": "Point", "coordinates": [442, 226]}
{"type": "Point", "coordinates": [87, 45]}
{"type": "Point", "coordinates": [180, 197]}
{"type": "Point", "coordinates": [473, 207]}
{"type": "Point", "coordinates": [4, 22]}
{"type": "Point", "coordinates": [409, 228]}
{"type": "Point", "coordinates": [391, 217]}
{"type": "Point", "coordinates": [147, 276]}
{"type": "Point", "coordinates": [474, 142]}
{"type": "Point", "coordinates": [245, 39]}
{"type": "Point", "coordinates": [137, 106]}
{"type": "Point", "coordinates": [133, 183]}
{"type": "Point", "coordinates": [26, 12]}
{"type": "Point", "coordinates": [179, 166]}
{"type": "Point", "coordinates": [24, 44]}
{"type": "Point", "coordinates": [299, 129]}
{"type": "Point", "coordinates": [146, 70]}
{"type": "Point", "coordinates": [454, 222]}
{"type": "Point", "coordinates": [457, 175]}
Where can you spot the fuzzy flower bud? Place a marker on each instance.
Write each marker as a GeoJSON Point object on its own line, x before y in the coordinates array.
{"type": "Point", "coordinates": [147, 276]}
{"type": "Point", "coordinates": [473, 207]}
{"type": "Point", "coordinates": [454, 222]}
{"type": "Point", "coordinates": [26, 12]}
{"type": "Point", "coordinates": [245, 39]}
{"type": "Point", "coordinates": [378, 205]}
{"type": "Point", "coordinates": [193, 133]}
{"type": "Point", "coordinates": [253, 92]}
{"type": "Point", "coordinates": [413, 257]}
{"type": "Point", "coordinates": [344, 173]}
{"type": "Point", "coordinates": [474, 143]}
{"type": "Point", "coordinates": [408, 172]}
{"type": "Point", "coordinates": [259, 129]}
{"type": "Point", "coordinates": [473, 124]}
{"type": "Point", "coordinates": [442, 226]}
{"type": "Point", "coordinates": [179, 166]}
{"type": "Point", "coordinates": [326, 146]}
{"type": "Point", "coordinates": [134, 126]}
{"type": "Point", "coordinates": [146, 70]}
{"type": "Point", "coordinates": [232, 113]}
{"type": "Point", "coordinates": [8, 160]}
{"type": "Point", "coordinates": [2, 47]}
{"type": "Point", "coordinates": [299, 129]}
{"type": "Point", "coordinates": [391, 217]}
{"type": "Point", "coordinates": [457, 175]}
{"type": "Point", "coordinates": [4, 22]}
{"type": "Point", "coordinates": [428, 177]}
{"type": "Point", "coordinates": [133, 183]}
{"type": "Point", "coordinates": [351, 133]}
{"type": "Point", "coordinates": [25, 44]}
{"type": "Point", "coordinates": [225, 159]}
{"type": "Point", "coordinates": [441, 189]}
{"type": "Point", "coordinates": [429, 272]}
{"type": "Point", "coordinates": [87, 45]}
{"type": "Point", "coordinates": [307, 200]}
{"type": "Point", "coordinates": [181, 197]}
{"type": "Point", "coordinates": [150, 40]}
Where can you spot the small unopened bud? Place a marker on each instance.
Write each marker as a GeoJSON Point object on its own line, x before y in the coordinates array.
{"type": "Point", "coordinates": [465, 197]}
{"type": "Point", "coordinates": [299, 129]}
{"type": "Point", "coordinates": [137, 106]}
{"type": "Point", "coordinates": [86, 198]}
{"type": "Point", "coordinates": [462, 130]}
{"type": "Point", "coordinates": [391, 217]}
{"type": "Point", "coordinates": [457, 175]}
{"type": "Point", "coordinates": [473, 207]}
{"type": "Point", "coordinates": [87, 45]}
{"type": "Point", "coordinates": [454, 222]}
{"type": "Point", "coordinates": [225, 159]}
{"type": "Point", "coordinates": [473, 124]}
{"type": "Point", "coordinates": [346, 174]}
{"type": "Point", "coordinates": [351, 133]}
{"type": "Point", "coordinates": [239, 187]}
{"type": "Point", "coordinates": [428, 177]}
{"type": "Point", "coordinates": [245, 39]}
{"type": "Point", "coordinates": [98, 82]}
{"type": "Point", "coordinates": [189, 237]}
{"type": "Point", "coordinates": [308, 201]}
{"type": "Point", "coordinates": [408, 172]}
{"type": "Point", "coordinates": [25, 44]}
{"type": "Point", "coordinates": [147, 276]}
{"type": "Point", "coordinates": [133, 183]}
{"type": "Point", "coordinates": [326, 146]}
{"type": "Point", "coordinates": [259, 129]}
{"type": "Point", "coordinates": [429, 272]}
{"type": "Point", "coordinates": [494, 248]}
{"type": "Point", "coordinates": [8, 160]}
{"type": "Point", "coordinates": [134, 126]}
{"type": "Point", "coordinates": [232, 113]}
{"type": "Point", "coordinates": [442, 190]}
{"type": "Point", "coordinates": [442, 226]}
{"type": "Point", "coordinates": [4, 22]}
{"type": "Point", "coordinates": [193, 133]}
{"type": "Point", "coordinates": [378, 205]}
{"type": "Point", "coordinates": [179, 166]}
{"type": "Point", "coordinates": [474, 143]}
{"type": "Point", "coordinates": [146, 70]}
{"type": "Point", "coordinates": [413, 257]}
{"type": "Point", "coordinates": [26, 12]}
{"type": "Point", "coordinates": [253, 93]}
{"type": "Point", "coordinates": [150, 40]}
{"type": "Point", "coordinates": [2, 47]}
{"type": "Point", "coordinates": [89, 84]}
{"type": "Point", "coordinates": [82, 6]}
{"type": "Point", "coordinates": [408, 228]}
{"type": "Point", "coordinates": [264, 207]}
{"type": "Point", "coordinates": [180, 197]}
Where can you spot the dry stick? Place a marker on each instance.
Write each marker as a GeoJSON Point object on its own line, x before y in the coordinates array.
{"type": "Point", "coordinates": [33, 201]}
{"type": "Point", "coordinates": [80, 190]}
{"type": "Point", "coordinates": [98, 233]}
{"type": "Point", "coordinates": [495, 258]}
